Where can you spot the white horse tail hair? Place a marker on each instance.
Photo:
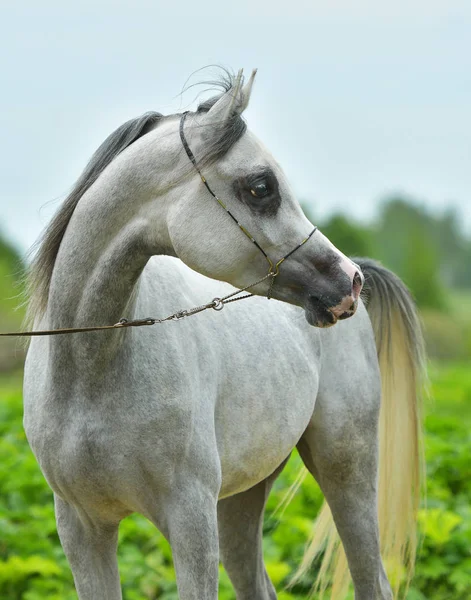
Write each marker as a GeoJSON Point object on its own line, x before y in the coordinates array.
{"type": "Point", "coordinates": [401, 357]}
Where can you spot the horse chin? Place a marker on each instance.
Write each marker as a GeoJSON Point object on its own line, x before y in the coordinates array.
{"type": "Point", "coordinates": [318, 316]}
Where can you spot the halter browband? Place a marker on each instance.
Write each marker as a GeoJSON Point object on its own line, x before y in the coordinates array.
{"type": "Point", "coordinates": [273, 269]}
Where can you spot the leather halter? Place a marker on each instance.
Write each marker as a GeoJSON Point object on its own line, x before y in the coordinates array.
{"type": "Point", "coordinates": [273, 269]}
{"type": "Point", "coordinates": [215, 304]}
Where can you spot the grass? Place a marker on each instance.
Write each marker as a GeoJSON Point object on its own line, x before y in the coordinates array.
{"type": "Point", "coordinates": [33, 567]}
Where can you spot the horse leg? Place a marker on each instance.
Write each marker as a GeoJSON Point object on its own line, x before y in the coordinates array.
{"type": "Point", "coordinates": [90, 547]}
{"type": "Point", "coordinates": [190, 525]}
{"type": "Point", "coordinates": [340, 449]}
{"type": "Point", "coordinates": [240, 521]}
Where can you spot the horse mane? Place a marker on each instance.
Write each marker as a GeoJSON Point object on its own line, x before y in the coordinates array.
{"type": "Point", "coordinates": [39, 275]}
{"type": "Point", "coordinates": [40, 272]}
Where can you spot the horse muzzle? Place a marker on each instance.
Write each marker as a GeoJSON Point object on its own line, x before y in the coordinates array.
{"type": "Point", "coordinates": [320, 310]}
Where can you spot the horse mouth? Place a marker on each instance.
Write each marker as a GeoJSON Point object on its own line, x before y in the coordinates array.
{"type": "Point", "coordinates": [319, 315]}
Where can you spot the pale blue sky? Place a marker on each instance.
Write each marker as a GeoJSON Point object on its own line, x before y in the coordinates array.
{"type": "Point", "coordinates": [355, 99]}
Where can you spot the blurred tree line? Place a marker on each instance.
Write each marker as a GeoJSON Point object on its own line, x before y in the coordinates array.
{"type": "Point", "coordinates": [429, 251]}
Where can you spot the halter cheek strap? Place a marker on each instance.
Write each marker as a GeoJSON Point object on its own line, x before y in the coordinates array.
{"type": "Point", "coordinates": [274, 268]}
{"type": "Point", "coordinates": [215, 304]}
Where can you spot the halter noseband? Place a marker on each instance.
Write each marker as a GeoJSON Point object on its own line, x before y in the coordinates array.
{"type": "Point", "coordinates": [273, 269]}
{"type": "Point", "coordinates": [215, 304]}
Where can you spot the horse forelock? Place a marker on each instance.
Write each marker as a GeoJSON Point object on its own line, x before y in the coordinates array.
{"type": "Point", "coordinates": [221, 140]}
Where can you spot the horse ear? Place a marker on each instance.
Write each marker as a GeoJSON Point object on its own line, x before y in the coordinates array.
{"type": "Point", "coordinates": [232, 103]}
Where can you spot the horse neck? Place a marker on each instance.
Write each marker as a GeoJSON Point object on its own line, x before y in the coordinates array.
{"type": "Point", "coordinates": [117, 226]}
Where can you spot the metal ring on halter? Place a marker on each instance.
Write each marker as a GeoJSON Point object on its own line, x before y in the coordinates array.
{"type": "Point", "coordinates": [218, 304]}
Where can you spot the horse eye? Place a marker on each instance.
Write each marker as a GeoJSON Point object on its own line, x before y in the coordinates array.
{"type": "Point", "coordinates": [260, 189]}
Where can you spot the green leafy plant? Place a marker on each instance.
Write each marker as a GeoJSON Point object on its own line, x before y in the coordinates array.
{"type": "Point", "coordinates": [33, 566]}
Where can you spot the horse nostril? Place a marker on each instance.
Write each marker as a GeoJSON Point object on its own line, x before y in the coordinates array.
{"type": "Point", "coordinates": [357, 284]}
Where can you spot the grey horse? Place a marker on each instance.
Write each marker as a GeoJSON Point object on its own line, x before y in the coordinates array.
{"type": "Point", "coordinates": [189, 422]}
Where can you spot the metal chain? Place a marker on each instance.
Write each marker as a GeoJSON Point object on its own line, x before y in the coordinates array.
{"type": "Point", "coordinates": [215, 304]}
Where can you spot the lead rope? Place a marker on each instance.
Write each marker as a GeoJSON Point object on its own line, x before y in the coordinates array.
{"type": "Point", "coordinates": [215, 304]}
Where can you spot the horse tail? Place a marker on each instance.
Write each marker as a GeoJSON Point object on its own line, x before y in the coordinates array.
{"type": "Point", "coordinates": [401, 358]}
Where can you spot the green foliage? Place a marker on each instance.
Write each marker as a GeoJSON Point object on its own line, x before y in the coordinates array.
{"type": "Point", "coordinates": [446, 337]}
{"type": "Point", "coordinates": [33, 567]}
{"type": "Point", "coordinates": [407, 246]}
{"type": "Point", "coordinates": [448, 333]}
{"type": "Point", "coordinates": [351, 238]}
{"type": "Point", "coordinates": [428, 251]}
{"type": "Point", "coordinates": [435, 242]}
{"type": "Point", "coordinates": [444, 563]}
{"type": "Point", "coordinates": [11, 269]}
